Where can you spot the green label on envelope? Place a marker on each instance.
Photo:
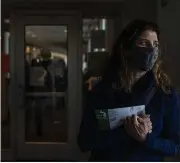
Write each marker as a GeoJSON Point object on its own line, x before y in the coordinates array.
{"type": "Point", "coordinates": [103, 119]}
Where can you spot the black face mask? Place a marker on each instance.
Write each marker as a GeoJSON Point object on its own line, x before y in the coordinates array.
{"type": "Point", "coordinates": [143, 58]}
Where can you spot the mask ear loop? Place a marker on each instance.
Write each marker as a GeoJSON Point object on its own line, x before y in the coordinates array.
{"type": "Point", "coordinates": [160, 58]}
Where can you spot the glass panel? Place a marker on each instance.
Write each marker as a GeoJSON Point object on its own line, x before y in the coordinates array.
{"type": "Point", "coordinates": [46, 83]}
{"type": "Point", "coordinates": [5, 83]}
{"type": "Point", "coordinates": [95, 51]}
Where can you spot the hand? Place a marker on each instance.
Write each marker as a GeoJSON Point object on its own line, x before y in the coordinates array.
{"type": "Point", "coordinates": [145, 120]}
{"type": "Point", "coordinates": [138, 127]}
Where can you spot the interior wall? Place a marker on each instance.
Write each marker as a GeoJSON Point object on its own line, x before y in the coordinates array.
{"type": "Point", "coordinates": [169, 21]}
{"type": "Point", "coordinates": [136, 9]}
{"type": "Point", "coordinates": [139, 9]}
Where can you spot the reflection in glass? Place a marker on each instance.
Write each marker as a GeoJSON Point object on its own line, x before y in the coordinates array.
{"type": "Point", "coordinates": [94, 51]}
{"type": "Point", "coordinates": [46, 83]}
{"type": "Point", "coordinates": [5, 83]}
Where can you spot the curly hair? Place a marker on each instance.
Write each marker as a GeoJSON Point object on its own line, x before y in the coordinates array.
{"type": "Point", "coordinates": [118, 67]}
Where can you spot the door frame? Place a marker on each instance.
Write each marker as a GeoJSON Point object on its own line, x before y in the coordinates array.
{"type": "Point", "coordinates": [81, 12]}
{"type": "Point", "coordinates": [28, 151]}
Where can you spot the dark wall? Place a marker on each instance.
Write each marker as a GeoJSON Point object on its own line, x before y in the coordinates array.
{"type": "Point", "coordinates": [169, 21]}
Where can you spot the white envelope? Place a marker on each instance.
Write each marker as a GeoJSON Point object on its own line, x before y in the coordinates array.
{"type": "Point", "coordinates": [118, 115]}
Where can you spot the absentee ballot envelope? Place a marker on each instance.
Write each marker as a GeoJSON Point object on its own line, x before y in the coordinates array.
{"type": "Point", "coordinates": [113, 118]}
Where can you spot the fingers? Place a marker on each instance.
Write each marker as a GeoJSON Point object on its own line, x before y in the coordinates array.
{"type": "Point", "coordinates": [145, 125]}
{"type": "Point", "coordinates": [150, 128]}
{"type": "Point", "coordinates": [140, 120]}
{"type": "Point", "coordinates": [127, 121]}
{"type": "Point", "coordinates": [139, 124]}
{"type": "Point", "coordinates": [138, 127]}
{"type": "Point", "coordinates": [149, 124]}
{"type": "Point", "coordinates": [150, 131]}
{"type": "Point", "coordinates": [145, 116]}
{"type": "Point", "coordinates": [135, 120]}
{"type": "Point", "coordinates": [144, 120]}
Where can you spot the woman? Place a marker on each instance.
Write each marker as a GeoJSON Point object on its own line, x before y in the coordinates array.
{"type": "Point", "coordinates": [133, 78]}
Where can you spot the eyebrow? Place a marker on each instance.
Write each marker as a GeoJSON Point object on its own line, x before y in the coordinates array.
{"type": "Point", "coordinates": [142, 38]}
{"type": "Point", "coordinates": [147, 39]}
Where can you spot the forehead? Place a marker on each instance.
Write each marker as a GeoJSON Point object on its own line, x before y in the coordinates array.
{"type": "Point", "coordinates": [149, 35]}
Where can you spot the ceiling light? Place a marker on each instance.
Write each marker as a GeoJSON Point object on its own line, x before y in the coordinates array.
{"type": "Point", "coordinates": [103, 49]}
{"type": "Point", "coordinates": [29, 32]}
{"type": "Point", "coordinates": [7, 21]}
{"type": "Point", "coordinates": [34, 49]}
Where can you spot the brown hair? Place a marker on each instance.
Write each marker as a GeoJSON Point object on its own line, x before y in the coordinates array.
{"type": "Point", "coordinates": [117, 66]}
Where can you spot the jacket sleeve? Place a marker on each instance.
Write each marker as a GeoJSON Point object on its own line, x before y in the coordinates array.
{"type": "Point", "coordinates": [87, 129]}
{"type": "Point", "coordinates": [170, 145]}
{"type": "Point", "coordinates": [90, 137]}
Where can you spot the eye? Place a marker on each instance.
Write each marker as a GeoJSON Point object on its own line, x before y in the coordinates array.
{"type": "Point", "coordinates": [156, 45]}
{"type": "Point", "coordinates": [142, 43]}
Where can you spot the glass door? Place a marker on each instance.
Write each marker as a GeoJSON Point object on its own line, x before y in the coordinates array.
{"type": "Point", "coordinates": [45, 85]}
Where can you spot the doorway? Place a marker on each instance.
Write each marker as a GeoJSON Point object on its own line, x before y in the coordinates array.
{"type": "Point", "coordinates": [50, 59]}
{"type": "Point", "coordinates": [45, 72]}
